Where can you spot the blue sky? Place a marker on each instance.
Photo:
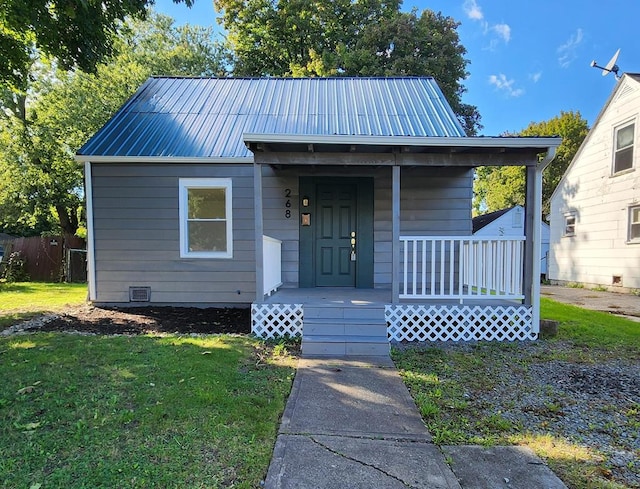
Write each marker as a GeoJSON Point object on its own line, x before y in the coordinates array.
{"type": "Point", "coordinates": [529, 60]}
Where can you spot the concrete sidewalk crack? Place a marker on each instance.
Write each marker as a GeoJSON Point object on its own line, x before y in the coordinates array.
{"type": "Point", "coordinates": [339, 454]}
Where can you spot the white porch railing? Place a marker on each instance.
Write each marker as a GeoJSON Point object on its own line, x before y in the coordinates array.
{"type": "Point", "coordinates": [447, 267]}
{"type": "Point", "coordinates": [271, 263]}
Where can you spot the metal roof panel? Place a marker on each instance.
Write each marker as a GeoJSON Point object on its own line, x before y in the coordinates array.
{"type": "Point", "coordinates": [206, 117]}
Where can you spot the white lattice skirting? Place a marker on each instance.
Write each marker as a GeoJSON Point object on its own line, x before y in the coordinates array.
{"type": "Point", "coordinates": [459, 323]}
{"type": "Point", "coordinates": [276, 320]}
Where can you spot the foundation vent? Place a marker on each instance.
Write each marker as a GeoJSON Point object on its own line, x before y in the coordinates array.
{"type": "Point", "coordinates": [139, 294]}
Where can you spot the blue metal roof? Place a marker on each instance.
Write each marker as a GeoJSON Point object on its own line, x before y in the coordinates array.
{"type": "Point", "coordinates": [206, 117]}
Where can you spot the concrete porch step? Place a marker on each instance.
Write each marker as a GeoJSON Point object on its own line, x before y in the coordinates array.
{"type": "Point", "coordinates": [346, 345]}
{"type": "Point", "coordinates": [332, 311]}
{"type": "Point", "coordinates": [344, 330]}
{"type": "Point", "coordinates": [341, 327]}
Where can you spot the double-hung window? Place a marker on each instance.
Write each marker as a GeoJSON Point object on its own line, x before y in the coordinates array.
{"type": "Point", "coordinates": [569, 224]}
{"type": "Point", "coordinates": [634, 223]}
{"type": "Point", "coordinates": [623, 147]}
{"type": "Point", "coordinates": [205, 218]}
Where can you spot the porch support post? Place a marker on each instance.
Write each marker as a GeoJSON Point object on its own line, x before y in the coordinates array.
{"type": "Point", "coordinates": [533, 232]}
{"type": "Point", "coordinates": [529, 226]}
{"type": "Point", "coordinates": [257, 209]}
{"type": "Point", "coordinates": [395, 235]}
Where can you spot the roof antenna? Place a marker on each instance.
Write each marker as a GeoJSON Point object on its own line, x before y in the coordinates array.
{"type": "Point", "coordinates": [611, 66]}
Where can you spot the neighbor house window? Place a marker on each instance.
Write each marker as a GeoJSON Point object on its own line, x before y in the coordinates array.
{"type": "Point", "coordinates": [623, 148]}
{"type": "Point", "coordinates": [634, 223]}
{"type": "Point", "coordinates": [569, 224]}
{"type": "Point", "coordinates": [205, 218]}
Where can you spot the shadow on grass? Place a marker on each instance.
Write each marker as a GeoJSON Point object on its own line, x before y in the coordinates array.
{"type": "Point", "coordinates": [165, 411]}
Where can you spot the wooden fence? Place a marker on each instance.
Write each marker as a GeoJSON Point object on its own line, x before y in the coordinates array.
{"type": "Point", "coordinates": [51, 258]}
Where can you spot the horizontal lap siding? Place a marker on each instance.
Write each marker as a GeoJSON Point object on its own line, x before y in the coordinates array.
{"type": "Point", "coordinates": [275, 221]}
{"type": "Point", "coordinates": [136, 232]}
{"type": "Point", "coordinates": [434, 202]}
{"type": "Point", "coordinates": [600, 201]}
{"type": "Point", "coordinates": [136, 226]}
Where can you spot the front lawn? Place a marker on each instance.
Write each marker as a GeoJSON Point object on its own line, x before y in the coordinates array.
{"type": "Point", "coordinates": [138, 411]}
{"type": "Point", "coordinates": [573, 399]}
{"type": "Point", "coordinates": [23, 300]}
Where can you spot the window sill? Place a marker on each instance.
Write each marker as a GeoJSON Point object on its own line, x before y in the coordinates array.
{"type": "Point", "coordinates": [623, 172]}
{"type": "Point", "coordinates": [569, 235]}
{"type": "Point", "coordinates": [206, 256]}
{"type": "Point", "coordinates": [633, 241]}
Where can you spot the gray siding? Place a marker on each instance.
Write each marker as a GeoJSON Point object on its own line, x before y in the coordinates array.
{"type": "Point", "coordinates": [136, 226]}
{"type": "Point", "coordinates": [433, 202]}
{"type": "Point", "coordinates": [137, 236]}
{"type": "Point", "coordinates": [275, 221]}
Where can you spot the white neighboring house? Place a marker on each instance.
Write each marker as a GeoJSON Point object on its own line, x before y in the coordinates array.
{"type": "Point", "coordinates": [510, 222]}
{"type": "Point", "coordinates": [595, 210]}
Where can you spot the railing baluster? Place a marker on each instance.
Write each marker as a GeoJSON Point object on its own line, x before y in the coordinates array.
{"type": "Point", "coordinates": [489, 268]}
{"type": "Point", "coordinates": [414, 266]}
{"type": "Point", "coordinates": [404, 269]}
{"type": "Point", "coordinates": [452, 269]}
{"type": "Point", "coordinates": [423, 281]}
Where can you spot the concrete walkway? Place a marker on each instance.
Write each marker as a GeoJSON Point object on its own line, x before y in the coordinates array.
{"type": "Point", "coordinates": [351, 423]}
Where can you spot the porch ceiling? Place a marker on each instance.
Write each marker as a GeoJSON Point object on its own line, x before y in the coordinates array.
{"type": "Point", "coordinates": [283, 149]}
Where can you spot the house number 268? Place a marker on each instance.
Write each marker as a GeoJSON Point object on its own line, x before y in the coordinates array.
{"type": "Point", "coordinates": [287, 203]}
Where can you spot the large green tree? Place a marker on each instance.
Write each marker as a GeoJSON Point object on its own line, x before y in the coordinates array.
{"type": "Point", "coordinates": [40, 130]}
{"type": "Point", "coordinates": [497, 188]}
{"type": "Point", "coordinates": [347, 38]}
{"type": "Point", "coordinates": [77, 33]}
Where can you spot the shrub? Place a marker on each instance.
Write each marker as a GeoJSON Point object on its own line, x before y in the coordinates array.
{"type": "Point", "coordinates": [15, 268]}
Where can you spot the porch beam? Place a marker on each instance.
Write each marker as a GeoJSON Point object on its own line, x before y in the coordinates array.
{"type": "Point", "coordinates": [257, 206]}
{"type": "Point", "coordinates": [395, 232]}
{"type": "Point", "coordinates": [350, 158]}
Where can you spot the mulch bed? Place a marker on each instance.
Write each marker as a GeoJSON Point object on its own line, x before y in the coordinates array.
{"type": "Point", "coordinates": [145, 320]}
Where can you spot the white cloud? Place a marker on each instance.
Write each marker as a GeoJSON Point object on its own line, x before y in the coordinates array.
{"type": "Point", "coordinates": [503, 30]}
{"type": "Point", "coordinates": [502, 83]}
{"type": "Point", "coordinates": [535, 77]}
{"type": "Point", "coordinates": [472, 9]}
{"type": "Point", "coordinates": [567, 51]}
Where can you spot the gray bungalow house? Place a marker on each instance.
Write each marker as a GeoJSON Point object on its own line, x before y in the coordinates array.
{"type": "Point", "coordinates": [339, 209]}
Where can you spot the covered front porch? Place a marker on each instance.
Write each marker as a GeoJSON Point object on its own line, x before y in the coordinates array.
{"type": "Point", "coordinates": [450, 289]}
{"type": "Point", "coordinates": [423, 285]}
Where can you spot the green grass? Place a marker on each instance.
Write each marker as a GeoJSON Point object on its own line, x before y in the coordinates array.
{"type": "Point", "coordinates": [91, 411]}
{"type": "Point", "coordinates": [600, 331]}
{"type": "Point", "coordinates": [443, 381]}
{"type": "Point", "coordinates": [23, 300]}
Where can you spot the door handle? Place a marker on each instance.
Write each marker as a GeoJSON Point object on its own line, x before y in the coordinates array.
{"type": "Point", "coordinates": [353, 246]}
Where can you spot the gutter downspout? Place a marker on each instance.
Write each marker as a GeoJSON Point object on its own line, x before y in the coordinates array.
{"type": "Point", "coordinates": [537, 238]}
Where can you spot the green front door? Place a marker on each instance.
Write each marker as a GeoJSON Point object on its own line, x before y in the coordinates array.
{"type": "Point", "coordinates": [332, 208]}
{"type": "Point", "coordinates": [336, 227]}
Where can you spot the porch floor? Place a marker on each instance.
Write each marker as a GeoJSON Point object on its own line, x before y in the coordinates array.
{"type": "Point", "coordinates": [350, 321]}
{"type": "Point", "coordinates": [350, 296]}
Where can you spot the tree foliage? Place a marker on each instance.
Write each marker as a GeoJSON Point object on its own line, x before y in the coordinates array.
{"type": "Point", "coordinates": [77, 33]}
{"type": "Point", "coordinates": [347, 38]}
{"type": "Point", "coordinates": [497, 188]}
{"type": "Point", "coordinates": [40, 130]}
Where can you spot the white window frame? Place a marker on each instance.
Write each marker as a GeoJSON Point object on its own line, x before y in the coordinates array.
{"type": "Point", "coordinates": [616, 150]}
{"type": "Point", "coordinates": [567, 216]}
{"type": "Point", "coordinates": [630, 238]}
{"type": "Point", "coordinates": [186, 184]}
